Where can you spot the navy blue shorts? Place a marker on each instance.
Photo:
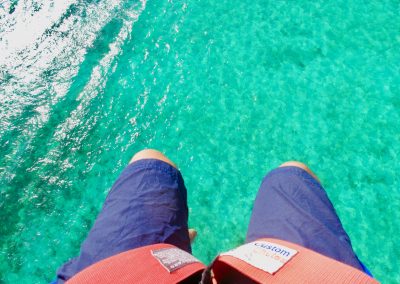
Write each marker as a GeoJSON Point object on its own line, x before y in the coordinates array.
{"type": "Point", "coordinates": [291, 205]}
{"type": "Point", "coordinates": [146, 205]}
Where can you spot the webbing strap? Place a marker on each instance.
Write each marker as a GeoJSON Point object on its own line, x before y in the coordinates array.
{"type": "Point", "coordinates": [147, 265]}
{"type": "Point", "coordinates": [135, 266]}
{"type": "Point", "coordinates": [306, 266]}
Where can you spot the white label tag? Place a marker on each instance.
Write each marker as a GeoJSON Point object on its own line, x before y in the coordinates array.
{"type": "Point", "coordinates": [173, 258]}
{"type": "Point", "coordinates": [266, 256]}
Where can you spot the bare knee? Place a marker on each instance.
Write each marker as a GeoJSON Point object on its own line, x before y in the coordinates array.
{"type": "Point", "coordinates": [301, 166]}
{"type": "Point", "coordinates": [151, 154]}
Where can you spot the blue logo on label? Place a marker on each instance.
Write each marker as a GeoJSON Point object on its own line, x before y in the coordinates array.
{"type": "Point", "coordinates": [274, 249]}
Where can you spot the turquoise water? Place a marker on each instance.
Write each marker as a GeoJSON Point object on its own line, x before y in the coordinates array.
{"type": "Point", "coordinates": [227, 89]}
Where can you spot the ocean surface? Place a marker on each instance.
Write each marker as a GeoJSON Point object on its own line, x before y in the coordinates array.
{"type": "Point", "coordinates": [226, 89]}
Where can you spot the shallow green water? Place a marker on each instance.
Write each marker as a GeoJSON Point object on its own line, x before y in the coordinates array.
{"type": "Point", "coordinates": [227, 89]}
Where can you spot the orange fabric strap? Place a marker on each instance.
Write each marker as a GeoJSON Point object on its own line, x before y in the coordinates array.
{"type": "Point", "coordinates": [141, 266]}
{"type": "Point", "coordinates": [135, 266]}
{"type": "Point", "coordinates": [306, 266]}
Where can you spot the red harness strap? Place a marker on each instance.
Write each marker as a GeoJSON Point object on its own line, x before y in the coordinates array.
{"type": "Point", "coordinates": [306, 266]}
{"type": "Point", "coordinates": [163, 263]}
{"type": "Point", "coordinates": [139, 266]}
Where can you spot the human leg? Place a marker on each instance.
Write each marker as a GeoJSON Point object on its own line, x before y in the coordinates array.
{"type": "Point", "coordinates": [292, 205]}
{"type": "Point", "coordinates": [146, 205]}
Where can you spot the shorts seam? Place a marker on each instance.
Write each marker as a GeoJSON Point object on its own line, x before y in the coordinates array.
{"type": "Point", "coordinates": [150, 163]}
{"type": "Point", "coordinates": [299, 172]}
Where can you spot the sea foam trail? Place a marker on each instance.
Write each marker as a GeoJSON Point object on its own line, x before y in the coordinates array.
{"type": "Point", "coordinates": [50, 41]}
{"type": "Point", "coordinates": [38, 72]}
{"type": "Point", "coordinates": [48, 80]}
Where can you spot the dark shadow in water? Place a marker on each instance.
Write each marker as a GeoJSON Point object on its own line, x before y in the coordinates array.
{"type": "Point", "coordinates": [12, 6]}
